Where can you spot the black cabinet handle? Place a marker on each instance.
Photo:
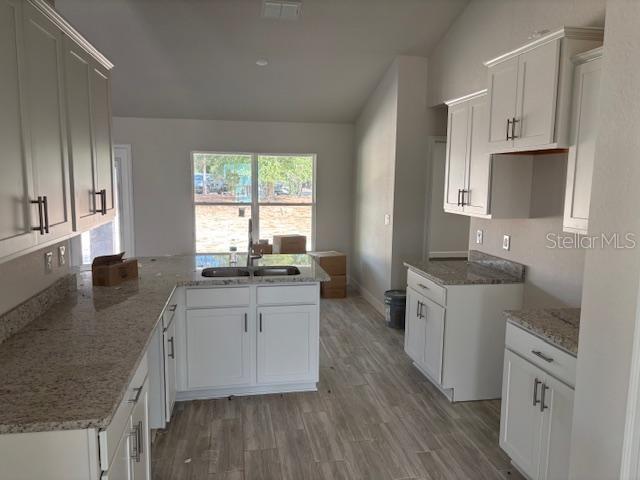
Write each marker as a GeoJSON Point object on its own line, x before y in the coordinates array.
{"type": "Point", "coordinates": [103, 201]}
{"type": "Point", "coordinates": [172, 353]}
{"type": "Point", "coordinates": [541, 355]}
{"type": "Point", "coordinates": [459, 192]}
{"type": "Point", "coordinates": [260, 323]}
{"type": "Point", "coordinates": [45, 207]}
{"type": "Point", "coordinates": [508, 125]}
{"type": "Point", "coordinates": [246, 326]}
{"type": "Point", "coordinates": [462, 204]}
{"type": "Point", "coordinates": [513, 128]}
{"type": "Point", "coordinates": [536, 382]}
{"type": "Point", "coordinates": [137, 396]}
{"type": "Point", "coordinates": [41, 227]}
{"type": "Point", "coordinates": [544, 391]}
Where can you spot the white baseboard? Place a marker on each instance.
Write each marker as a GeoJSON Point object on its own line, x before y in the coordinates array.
{"type": "Point", "coordinates": [208, 393]}
{"type": "Point", "coordinates": [375, 302]}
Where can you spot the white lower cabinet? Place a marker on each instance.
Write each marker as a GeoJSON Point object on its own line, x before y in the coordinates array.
{"type": "Point", "coordinates": [455, 334]}
{"type": "Point", "coordinates": [218, 347]}
{"type": "Point", "coordinates": [424, 333]}
{"type": "Point", "coordinates": [536, 418]}
{"type": "Point", "coordinates": [287, 344]}
{"type": "Point", "coordinates": [248, 340]}
{"type": "Point", "coordinates": [139, 450]}
{"type": "Point", "coordinates": [169, 353]}
{"type": "Point", "coordinates": [119, 468]}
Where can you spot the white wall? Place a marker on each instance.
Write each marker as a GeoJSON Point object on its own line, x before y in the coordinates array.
{"type": "Point", "coordinates": [373, 193]}
{"type": "Point", "coordinates": [611, 277]}
{"type": "Point", "coordinates": [23, 277]}
{"type": "Point", "coordinates": [487, 28]}
{"type": "Point", "coordinates": [553, 276]}
{"type": "Point", "coordinates": [163, 201]}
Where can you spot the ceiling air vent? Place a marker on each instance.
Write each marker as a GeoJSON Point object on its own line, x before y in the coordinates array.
{"type": "Point", "coordinates": [281, 10]}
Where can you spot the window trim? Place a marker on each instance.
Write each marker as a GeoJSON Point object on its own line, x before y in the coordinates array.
{"type": "Point", "coordinates": [255, 203]}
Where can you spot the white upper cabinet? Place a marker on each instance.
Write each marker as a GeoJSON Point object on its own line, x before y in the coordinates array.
{"type": "Point", "coordinates": [55, 126]}
{"type": "Point", "coordinates": [16, 181]}
{"type": "Point", "coordinates": [584, 129]}
{"type": "Point", "coordinates": [89, 124]}
{"type": "Point", "coordinates": [530, 91]}
{"type": "Point", "coordinates": [477, 183]}
{"type": "Point", "coordinates": [43, 68]}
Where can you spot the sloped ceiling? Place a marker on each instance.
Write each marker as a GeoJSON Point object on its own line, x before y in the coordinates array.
{"type": "Point", "coordinates": [197, 58]}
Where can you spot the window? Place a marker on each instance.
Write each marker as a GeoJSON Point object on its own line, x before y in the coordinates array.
{"type": "Point", "coordinates": [276, 191]}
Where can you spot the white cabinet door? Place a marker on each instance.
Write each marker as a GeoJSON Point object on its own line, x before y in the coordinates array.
{"type": "Point", "coordinates": [78, 68]}
{"type": "Point", "coordinates": [169, 369]}
{"type": "Point", "coordinates": [16, 187]}
{"type": "Point", "coordinates": [584, 122]}
{"type": "Point", "coordinates": [478, 172]}
{"type": "Point", "coordinates": [521, 421]}
{"type": "Point", "coordinates": [502, 85]}
{"type": "Point", "coordinates": [43, 65]}
{"type": "Point", "coordinates": [139, 441]}
{"type": "Point", "coordinates": [218, 347]}
{"type": "Point", "coordinates": [120, 467]}
{"type": "Point", "coordinates": [556, 430]}
{"type": "Point", "coordinates": [287, 344]}
{"type": "Point", "coordinates": [536, 97]}
{"type": "Point", "coordinates": [433, 316]}
{"type": "Point", "coordinates": [415, 327]}
{"type": "Point", "coordinates": [103, 148]}
{"type": "Point", "coordinates": [457, 139]}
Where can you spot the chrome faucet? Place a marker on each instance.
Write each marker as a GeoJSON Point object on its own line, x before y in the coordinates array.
{"type": "Point", "coordinates": [250, 256]}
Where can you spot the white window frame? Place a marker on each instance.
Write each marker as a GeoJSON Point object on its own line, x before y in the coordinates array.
{"type": "Point", "coordinates": [255, 204]}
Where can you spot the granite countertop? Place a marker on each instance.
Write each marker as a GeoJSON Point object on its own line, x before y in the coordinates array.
{"type": "Point", "coordinates": [70, 367]}
{"type": "Point", "coordinates": [479, 269]}
{"type": "Point", "coordinates": [557, 326]}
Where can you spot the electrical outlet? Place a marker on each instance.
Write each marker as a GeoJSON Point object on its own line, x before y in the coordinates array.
{"type": "Point", "coordinates": [506, 242]}
{"type": "Point", "coordinates": [48, 262]}
{"type": "Point", "coordinates": [479, 236]}
{"type": "Point", "coordinates": [387, 219]}
{"type": "Point", "coordinates": [62, 255]}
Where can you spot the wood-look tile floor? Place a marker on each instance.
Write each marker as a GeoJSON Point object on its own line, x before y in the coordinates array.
{"type": "Point", "coordinates": [374, 417]}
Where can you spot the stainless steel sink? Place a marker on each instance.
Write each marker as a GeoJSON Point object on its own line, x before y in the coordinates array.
{"type": "Point", "coordinates": [276, 271]}
{"type": "Point", "coordinates": [229, 272]}
{"type": "Point", "coordinates": [226, 272]}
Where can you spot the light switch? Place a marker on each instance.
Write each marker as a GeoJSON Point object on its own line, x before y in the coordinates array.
{"type": "Point", "coordinates": [479, 236]}
{"type": "Point", "coordinates": [506, 242]}
{"type": "Point", "coordinates": [48, 262]}
{"type": "Point", "coordinates": [62, 255]}
{"type": "Point", "coordinates": [387, 219]}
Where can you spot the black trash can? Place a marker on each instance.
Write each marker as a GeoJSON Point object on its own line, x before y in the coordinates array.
{"type": "Point", "coordinates": [395, 302]}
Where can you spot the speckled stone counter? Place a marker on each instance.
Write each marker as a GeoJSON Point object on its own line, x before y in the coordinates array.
{"type": "Point", "coordinates": [479, 269]}
{"type": "Point", "coordinates": [70, 367]}
{"type": "Point", "coordinates": [557, 326]}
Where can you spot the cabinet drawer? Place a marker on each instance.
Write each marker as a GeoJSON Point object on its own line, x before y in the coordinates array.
{"type": "Point", "coordinates": [558, 363]}
{"type": "Point", "coordinates": [218, 297]}
{"type": "Point", "coordinates": [109, 438]}
{"type": "Point", "coordinates": [289, 295]}
{"type": "Point", "coordinates": [426, 287]}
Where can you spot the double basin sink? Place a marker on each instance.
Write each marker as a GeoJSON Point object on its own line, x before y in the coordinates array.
{"type": "Point", "coordinates": [228, 272]}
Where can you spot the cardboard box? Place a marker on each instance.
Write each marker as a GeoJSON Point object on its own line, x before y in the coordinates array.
{"type": "Point", "coordinates": [262, 249]}
{"type": "Point", "coordinates": [332, 262]}
{"type": "Point", "coordinates": [110, 270]}
{"type": "Point", "coordinates": [289, 244]}
{"type": "Point", "coordinates": [335, 288]}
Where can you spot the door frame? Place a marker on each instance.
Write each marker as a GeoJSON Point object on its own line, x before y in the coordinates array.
{"type": "Point", "coordinates": [630, 462]}
{"type": "Point", "coordinates": [432, 140]}
{"type": "Point", "coordinates": [125, 198]}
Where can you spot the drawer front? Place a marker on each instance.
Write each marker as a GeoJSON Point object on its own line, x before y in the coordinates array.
{"type": "Point", "coordinates": [549, 358]}
{"type": "Point", "coordinates": [426, 287]}
{"type": "Point", "coordinates": [289, 295]}
{"type": "Point", "coordinates": [218, 297]}
{"type": "Point", "coordinates": [109, 438]}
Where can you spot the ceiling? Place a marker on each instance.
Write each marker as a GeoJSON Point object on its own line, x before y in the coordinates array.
{"type": "Point", "coordinates": [197, 58]}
